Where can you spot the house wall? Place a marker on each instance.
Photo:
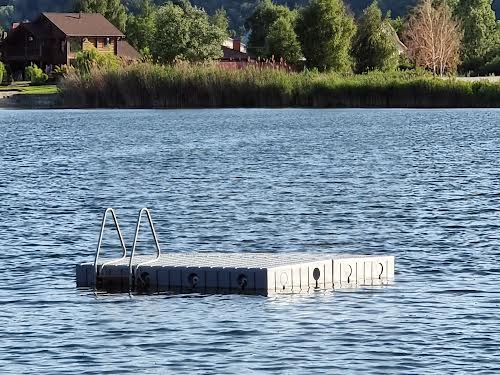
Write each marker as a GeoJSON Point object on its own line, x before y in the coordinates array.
{"type": "Point", "coordinates": [53, 43]}
{"type": "Point", "coordinates": [23, 46]}
{"type": "Point", "coordinates": [106, 45]}
{"type": "Point", "coordinates": [19, 47]}
{"type": "Point", "coordinates": [103, 45]}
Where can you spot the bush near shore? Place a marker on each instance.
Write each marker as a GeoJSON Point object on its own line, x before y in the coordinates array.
{"type": "Point", "coordinates": [148, 85]}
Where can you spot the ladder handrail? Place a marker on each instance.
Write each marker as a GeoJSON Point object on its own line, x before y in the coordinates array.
{"type": "Point", "coordinates": [136, 237]}
{"type": "Point", "coordinates": [122, 242]}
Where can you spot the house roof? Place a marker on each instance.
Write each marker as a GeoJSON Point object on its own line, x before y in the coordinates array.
{"type": "Point", "coordinates": [231, 54]}
{"type": "Point", "coordinates": [33, 28]}
{"type": "Point", "coordinates": [83, 24]}
{"type": "Point", "coordinates": [125, 50]}
{"type": "Point", "coordinates": [399, 44]}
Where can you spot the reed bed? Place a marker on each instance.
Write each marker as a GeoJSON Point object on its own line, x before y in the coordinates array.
{"type": "Point", "coordinates": [209, 86]}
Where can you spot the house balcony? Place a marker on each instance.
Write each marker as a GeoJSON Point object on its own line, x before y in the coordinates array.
{"type": "Point", "coordinates": [46, 55]}
{"type": "Point", "coordinates": [29, 54]}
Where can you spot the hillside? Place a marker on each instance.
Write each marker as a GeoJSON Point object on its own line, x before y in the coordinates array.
{"type": "Point", "coordinates": [238, 11]}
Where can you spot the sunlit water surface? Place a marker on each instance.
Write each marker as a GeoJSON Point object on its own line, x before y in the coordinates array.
{"type": "Point", "coordinates": [421, 185]}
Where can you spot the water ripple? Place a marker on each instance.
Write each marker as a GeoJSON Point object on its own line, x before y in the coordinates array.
{"type": "Point", "coordinates": [420, 184]}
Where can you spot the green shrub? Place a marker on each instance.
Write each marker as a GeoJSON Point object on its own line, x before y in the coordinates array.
{"type": "Point", "coordinates": [491, 67]}
{"type": "Point", "coordinates": [59, 72]}
{"type": "Point", "coordinates": [35, 75]}
{"type": "Point", "coordinates": [3, 72]}
{"type": "Point", "coordinates": [88, 59]}
{"type": "Point", "coordinates": [28, 72]}
{"type": "Point", "coordinates": [7, 78]}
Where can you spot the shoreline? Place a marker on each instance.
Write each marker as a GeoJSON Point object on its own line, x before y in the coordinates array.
{"type": "Point", "coordinates": [31, 101]}
{"type": "Point", "coordinates": [53, 101]}
{"type": "Point", "coordinates": [149, 86]}
{"type": "Point", "coordinates": [56, 101]}
{"type": "Point", "coordinates": [199, 86]}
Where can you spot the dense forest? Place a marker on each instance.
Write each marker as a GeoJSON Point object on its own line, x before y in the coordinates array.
{"type": "Point", "coordinates": [237, 10]}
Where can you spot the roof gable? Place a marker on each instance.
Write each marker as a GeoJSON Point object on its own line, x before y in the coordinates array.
{"type": "Point", "coordinates": [83, 24]}
{"type": "Point", "coordinates": [125, 50]}
{"type": "Point", "coordinates": [21, 29]}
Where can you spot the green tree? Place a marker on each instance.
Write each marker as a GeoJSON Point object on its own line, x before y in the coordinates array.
{"type": "Point", "coordinates": [375, 42]}
{"type": "Point", "coordinates": [141, 27]}
{"type": "Point", "coordinates": [237, 11]}
{"type": "Point", "coordinates": [6, 14]}
{"type": "Point", "coordinates": [220, 20]}
{"type": "Point", "coordinates": [397, 24]}
{"type": "Point", "coordinates": [480, 28]}
{"type": "Point", "coordinates": [282, 41]}
{"type": "Point", "coordinates": [264, 15]}
{"type": "Point", "coordinates": [325, 30]}
{"type": "Point", "coordinates": [184, 32]}
{"type": "Point", "coordinates": [113, 10]}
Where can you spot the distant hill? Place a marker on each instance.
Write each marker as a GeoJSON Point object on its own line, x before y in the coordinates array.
{"type": "Point", "coordinates": [237, 10]}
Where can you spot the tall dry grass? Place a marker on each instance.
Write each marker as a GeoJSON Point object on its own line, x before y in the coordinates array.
{"type": "Point", "coordinates": [209, 86]}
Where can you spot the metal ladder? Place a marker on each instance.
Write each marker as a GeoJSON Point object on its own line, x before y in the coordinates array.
{"type": "Point", "coordinates": [98, 272]}
{"type": "Point", "coordinates": [133, 275]}
{"type": "Point", "coordinates": [132, 272]}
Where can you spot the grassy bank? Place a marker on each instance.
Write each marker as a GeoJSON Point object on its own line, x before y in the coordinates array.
{"type": "Point", "coordinates": [25, 88]}
{"type": "Point", "coordinates": [154, 86]}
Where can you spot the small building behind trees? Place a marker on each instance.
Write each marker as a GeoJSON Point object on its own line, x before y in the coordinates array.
{"type": "Point", "coordinates": [236, 56]}
{"type": "Point", "coordinates": [234, 53]}
{"type": "Point", "coordinates": [55, 38]}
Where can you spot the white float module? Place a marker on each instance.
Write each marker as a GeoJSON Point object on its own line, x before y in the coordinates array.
{"type": "Point", "coordinates": [259, 273]}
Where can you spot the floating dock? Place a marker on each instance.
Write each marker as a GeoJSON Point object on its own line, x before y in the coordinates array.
{"type": "Point", "coordinates": [210, 272]}
{"type": "Point", "coordinates": [257, 273]}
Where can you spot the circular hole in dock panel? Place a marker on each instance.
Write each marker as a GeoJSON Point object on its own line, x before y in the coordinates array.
{"type": "Point", "coordinates": [193, 279]}
{"type": "Point", "coordinates": [284, 279]}
{"type": "Point", "coordinates": [242, 281]}
{"type": "Point", "coordinates": [144, 280]}
{"type": "Point", "coordinates": [380, 270]}
{"type": "Point", "coordinates": [348, 273]}
{"type": "Point", "coordinates": [316, 274]}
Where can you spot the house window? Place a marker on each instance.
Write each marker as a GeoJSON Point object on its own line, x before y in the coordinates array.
{"type": "Point", "coordinates": [106, 42]}
{"type": "Point", "coordinates": [75, 45]}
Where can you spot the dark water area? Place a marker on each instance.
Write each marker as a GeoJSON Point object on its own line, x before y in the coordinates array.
{"type": "Point", "coordinates": [423, 185]}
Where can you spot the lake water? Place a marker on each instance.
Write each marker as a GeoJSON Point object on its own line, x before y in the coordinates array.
{"type": "Point", "coordinates": [423, 185]}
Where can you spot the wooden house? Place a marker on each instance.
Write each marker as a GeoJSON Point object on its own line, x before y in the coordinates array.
{"type": "Point", "coordinates": [55, 38]}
